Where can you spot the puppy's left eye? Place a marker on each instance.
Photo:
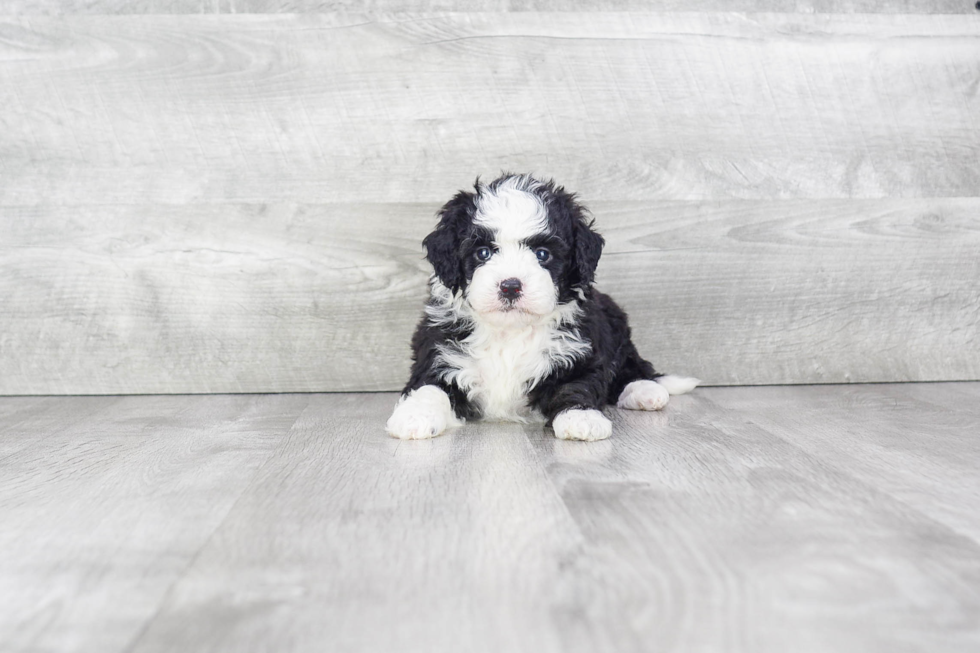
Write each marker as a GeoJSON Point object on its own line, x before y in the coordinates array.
{"type": "Point", "coordinates": [542, 254]}
{"type": "Point", "coordinates": [483, 253]}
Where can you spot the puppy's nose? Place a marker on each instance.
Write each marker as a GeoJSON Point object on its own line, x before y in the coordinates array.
{"type": "Point", "coordinates": [510, 288]}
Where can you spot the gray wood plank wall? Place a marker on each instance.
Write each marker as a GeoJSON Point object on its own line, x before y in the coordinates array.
{"type": "Point", "coordinates": [102, 7]}
{"type": "Point", "coordinates": [228, 202]}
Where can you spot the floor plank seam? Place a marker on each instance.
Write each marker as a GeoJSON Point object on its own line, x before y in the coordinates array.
{"type": "Point", "coordinates": [131, 646]}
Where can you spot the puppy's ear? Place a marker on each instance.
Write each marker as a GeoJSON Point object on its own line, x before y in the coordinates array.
{"type": "Point", "coordinates": [587, 244]}
{"type": "Point", "coordinates": [588, 249]}
{"type": "Point", "coordinates": [442, 245]}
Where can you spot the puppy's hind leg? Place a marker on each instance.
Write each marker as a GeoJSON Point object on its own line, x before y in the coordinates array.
{"type": "Point", "coordinates": [644, 394]}
{"type": "Point", "coordinates": [639, 387]}
{"type": "Point", "coordinates": [678, 385]}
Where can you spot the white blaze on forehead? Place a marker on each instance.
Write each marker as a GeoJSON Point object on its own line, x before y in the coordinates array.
{"type": "Point", "coordinates": [511, 212]}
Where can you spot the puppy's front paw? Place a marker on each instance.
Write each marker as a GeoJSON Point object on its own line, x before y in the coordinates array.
{"type": "Point", "coordinates": [577, 424]}
{"type": "Point", "coordinates": [425, 413]}
{"type": "Point", "coordinates": [643, 395]}
{"type": "Point", "coordinates": [412, 424]}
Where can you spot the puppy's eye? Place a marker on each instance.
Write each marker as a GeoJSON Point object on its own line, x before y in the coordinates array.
{"type": "Point", "coordinates": [542, 254]}
{"type": "Point", "coordinates": [483, 254]}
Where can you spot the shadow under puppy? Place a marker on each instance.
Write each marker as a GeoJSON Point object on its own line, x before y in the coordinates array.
{"type": "Point", "coordinates": [513, 329]}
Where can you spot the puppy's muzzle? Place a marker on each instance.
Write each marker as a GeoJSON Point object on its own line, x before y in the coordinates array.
{"type": "Point", "coordinates": [510, 289]}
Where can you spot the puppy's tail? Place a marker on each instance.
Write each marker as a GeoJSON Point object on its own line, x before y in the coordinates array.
{"type": "Point", "coordinates": [678, 385]}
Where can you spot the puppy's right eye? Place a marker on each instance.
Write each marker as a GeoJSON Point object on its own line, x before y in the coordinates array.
{"type": "Point", "coordinates": [483, 254]}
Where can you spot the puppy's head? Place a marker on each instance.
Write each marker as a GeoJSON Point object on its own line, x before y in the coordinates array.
{"type": "Point", "coordinates": [515, 249]}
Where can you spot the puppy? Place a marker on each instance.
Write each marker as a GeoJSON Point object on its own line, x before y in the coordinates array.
{"type": "Point", "coordinates": [513, 329]}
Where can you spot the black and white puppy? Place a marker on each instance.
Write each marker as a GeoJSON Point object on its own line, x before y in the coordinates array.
{"type": "Point", "coordinates": [513, 329]}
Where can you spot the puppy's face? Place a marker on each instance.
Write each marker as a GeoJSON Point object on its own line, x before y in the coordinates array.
{"type": "Point", "coordinates": [514, 250]}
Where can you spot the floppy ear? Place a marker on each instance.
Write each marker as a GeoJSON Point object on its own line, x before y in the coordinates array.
{"type": "Point", "coordinates": [587, 244]}
{"type": "Point", "coordinates": [588, 249]}
{"type": "Point", "coordinates": [442, 245]}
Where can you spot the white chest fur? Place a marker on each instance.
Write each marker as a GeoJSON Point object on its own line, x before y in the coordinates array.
{"type": "Point", "coordinates": [497, 367]}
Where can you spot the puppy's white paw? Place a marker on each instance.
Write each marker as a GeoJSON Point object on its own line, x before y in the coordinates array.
{"type": "Point", "coordinates": [678, 385]}
{"type": "Point", "coordinates": [578, 424]}
{"type": "Point", "coordinates": [411, 424]}
{"type": "Point", "coordinates": [643, 395]}
{"type": "Point", "coordinates": [425, 413]}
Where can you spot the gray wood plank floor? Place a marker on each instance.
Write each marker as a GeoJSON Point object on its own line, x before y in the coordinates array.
{"type": "Point", "coordinates": [805, 518]}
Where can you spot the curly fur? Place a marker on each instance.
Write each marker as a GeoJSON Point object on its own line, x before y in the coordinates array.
{"type": "Point", "coordinates": [559, 348]}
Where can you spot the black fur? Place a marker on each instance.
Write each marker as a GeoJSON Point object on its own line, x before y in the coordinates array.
{"type": "Point", "coordinates": [442, 245]}
{"type": "Point", "coordinates": [592, 381]}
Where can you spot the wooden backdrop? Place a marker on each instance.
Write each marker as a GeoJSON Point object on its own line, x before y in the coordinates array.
{"type": "Point", "coordinates": [229, 196]}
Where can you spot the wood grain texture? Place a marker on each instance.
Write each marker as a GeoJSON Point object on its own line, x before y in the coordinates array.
{"type": "Point", "coordinates": [233, 203]}
{"type": "Point", "coordinates": [755, 520]}
{"type": "Point", "coordinates": [352, 541]}
{"type": "Point", "coordinates": [237, 298]}
{"type": "Point", "coordinates": [801, 291]}
{"type": "Point", "coordinates": [27, 420]}
{"type": "Point", "coordinates": [266, 108]}
{"type": "Point", "coordinates": [115, 7]}
{"type": "Point", "coordinates": [240, 298]}
{"type": "Point", "coordinates": [706, 529]}
{"type": "Point", "coordinates": [112, 500]}
{"type": "Point", "coordinates": [864, 432]}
